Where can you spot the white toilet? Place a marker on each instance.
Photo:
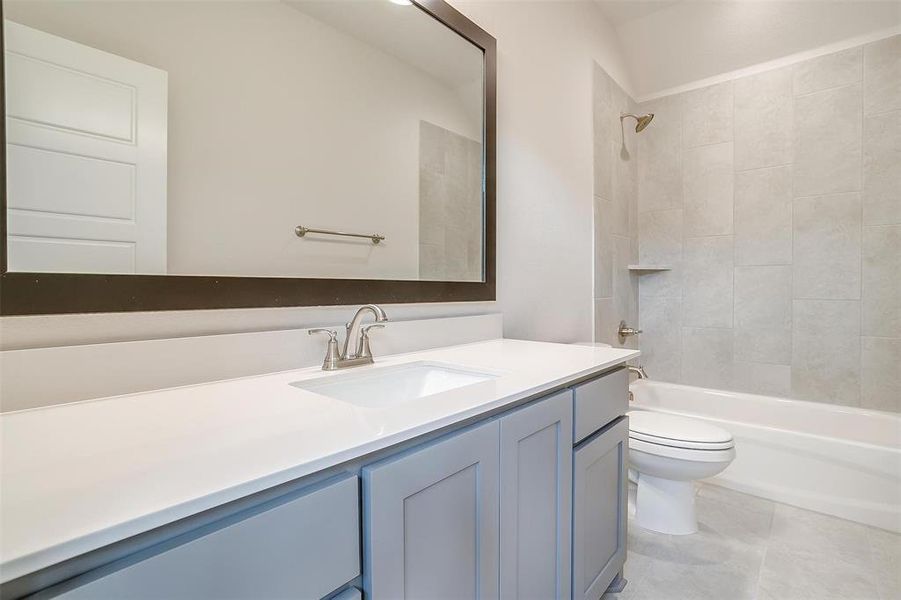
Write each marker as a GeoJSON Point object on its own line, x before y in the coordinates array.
{"type": "Point", "coordinates": [669, 453]}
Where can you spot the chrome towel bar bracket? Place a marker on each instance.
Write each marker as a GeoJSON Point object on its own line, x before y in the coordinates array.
{"type": "Point", "coordinates": [301, 231]}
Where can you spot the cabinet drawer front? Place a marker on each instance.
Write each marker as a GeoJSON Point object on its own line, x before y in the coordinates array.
{"type": "Point", "coordinates": [599, 511]}
{"type": "Point", "coordinates": [600, 401]}
{"type": "Point", "coordinates": [304, 546]}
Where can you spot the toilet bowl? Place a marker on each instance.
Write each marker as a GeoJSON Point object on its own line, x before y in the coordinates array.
{"type": "Point", "coordinates": [669, 453]}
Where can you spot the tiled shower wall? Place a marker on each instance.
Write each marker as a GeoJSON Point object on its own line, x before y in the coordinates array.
{"type": "Point", "coordinates": [776, 199]}
{"type": "Point", "coordinates": [450, 205]}
{"type": "Point", "coordinates": [615, 205]}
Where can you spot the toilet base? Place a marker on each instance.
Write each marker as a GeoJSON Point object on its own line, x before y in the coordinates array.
{"type": "Point", "coordinates": [665, 506]}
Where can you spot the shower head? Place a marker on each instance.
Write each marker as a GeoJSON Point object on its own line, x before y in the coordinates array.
{"type": "Point", "coordinates": [642, 120]}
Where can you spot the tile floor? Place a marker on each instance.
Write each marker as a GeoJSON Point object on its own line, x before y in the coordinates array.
{"type": "Point", "coordinates": [754, 549]}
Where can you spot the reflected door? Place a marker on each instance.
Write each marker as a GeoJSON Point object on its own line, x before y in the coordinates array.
{"type": "Point", "coordinates": [86, 152]}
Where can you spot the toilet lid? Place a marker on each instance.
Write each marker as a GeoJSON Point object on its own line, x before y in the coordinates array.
{"type": "Point", "coordinates": [661, 428]}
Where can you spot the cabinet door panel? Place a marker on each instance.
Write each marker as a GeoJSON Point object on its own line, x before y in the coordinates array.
{"type": "Point", "coordinates": [431, 520]}
{"type": "Point", "coordinates": [536, 504]}
{"type": "Point", "coordinates": [599, 510]}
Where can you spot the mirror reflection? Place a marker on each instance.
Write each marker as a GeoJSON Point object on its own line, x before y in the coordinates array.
{"type": "Point", "coordinates": [231, 137]}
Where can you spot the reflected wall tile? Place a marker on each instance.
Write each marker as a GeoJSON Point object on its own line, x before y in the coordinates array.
{"type": "Point", "coordinates": [760, 378]}
{"type": "Point", "coordinates": [882, 169]}
{"type": "Point", "coordinates": [661, 342]}
{"type": "Point", "coordinates": [707, 115]}
{"type": "Point", "coordinates": [660, 243]}
{"type": "Point", "coordinates": [707, 357]}
{"type": "Point", "coordinates": [432, 147]}
{"type": "Point", "coordinates": [826, 351]}
{"type": "Point", "coordinates": [881, 293]}
{"type": "Point", "coordinates": [764, 109]}
{"type": "Point", "coordinates": [707, 284]}
{"type": "Point", "coordinates": [763, 312]}
{"type": "Point", "coordinates": [708, 190]}
{"type": "Point", "coordinates": [827, 135]}
{"type": "Point", "coordinates": [880, 373]}
{"type": "Point", "coordinates": [829, 71]}
{"type": "Point", "coordinates": [660, 156]}
{"type": "Point", "coordinates": [826, 258]}
{"type": "Point", "coordinates": [763, 216]}
{"type": "Point", "coordinates": [882, 75]}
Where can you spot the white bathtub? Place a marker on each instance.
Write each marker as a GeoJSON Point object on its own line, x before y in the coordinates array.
{"type": "Point", "coordinates": [832, 459]}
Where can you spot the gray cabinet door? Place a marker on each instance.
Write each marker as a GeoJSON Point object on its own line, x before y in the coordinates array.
{"type": "Point", "coordinates": [599, 510]}
{"type": "Point", "coordinates": [536, 500]}
{"type": "Point", "coordinates": [431, 520]}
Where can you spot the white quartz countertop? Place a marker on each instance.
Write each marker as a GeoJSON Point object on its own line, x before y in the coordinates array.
{"type": "Point", "coordinates": [79, 476]}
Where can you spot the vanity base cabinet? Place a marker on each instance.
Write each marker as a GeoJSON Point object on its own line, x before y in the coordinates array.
{"type": "Point", "coordinates": [302, 545]}
{"type": "Point", "coordinates": [431, 520]}
{"type": "Point", "coordinates": [536, 503]}
{"type": "Point", "coordinates": [599, 510]}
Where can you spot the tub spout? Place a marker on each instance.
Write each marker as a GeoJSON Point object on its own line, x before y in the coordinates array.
{"type": "Point", "coordinates": [639, 370]}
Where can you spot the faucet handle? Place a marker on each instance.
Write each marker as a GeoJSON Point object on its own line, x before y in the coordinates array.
{"type": "Point", "coordinates": [332, 356]}
{"type": "Point", "coordinates": [365, 350]}
{"type": "Point", "coordinates": [331, 333]}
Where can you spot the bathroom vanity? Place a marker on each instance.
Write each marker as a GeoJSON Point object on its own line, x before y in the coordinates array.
{"type": "Point", "coordinates": [493, 469]}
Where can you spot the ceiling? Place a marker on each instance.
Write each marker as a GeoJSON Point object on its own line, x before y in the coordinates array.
{"type": "Point", "coordinates": [675, 44]}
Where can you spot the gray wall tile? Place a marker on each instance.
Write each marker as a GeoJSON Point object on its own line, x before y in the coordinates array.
{"type": "Point", "coordinates": [882, 75]}
{"type": "Point", "coordinates": [763, 216]}
{"type": "Point", "coordinates": [881, 292]}
{"type": "Point", "coordinates": [826, 351]}
{"type": "Point", "coordinates": [815, 209]}
{"type": "Point", "coordinates": [829, 71]}
{"type": "Point", "coordinates": [660, 157]}
{"type": "Point", "coordinates": [827, 135]}
{"type": "Point", "coordinates": [450, 205]}
{"type": "Point", "coordinates": [661, 342]}
{"type": "Point", "coordinates": [757, 378]}
{"type": "Point", "coordinates": [615, 204]}
{"type": "Point", "coordinates": [763, 313]}
{"type": "Point", "coordinates": [707, 357]}
{"type": "Point", "coordinates": [707, 115]}
{"type": "Point", "coordinates": [707, 284]}
{"type": "Point", "coordinates": [660, 243]}
{"type": "Point", "coordinates": [708, 184]}
{"type": "Point", "coordinates": [826, 257]}
{"type": "Point", "coordinates": [880, 373]}
{"type": "Point", "coordinates": [603, 250]}
{"type": "Point", "coordinates": [764, 109]}
{"type": "Point", "coordinates": [882, 169]}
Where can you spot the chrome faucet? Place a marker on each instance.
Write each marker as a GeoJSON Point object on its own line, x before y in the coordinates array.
{"type": "Point", "coordinates": [639, 370]}
{"type": "Point", "coordinates": [362, 353]}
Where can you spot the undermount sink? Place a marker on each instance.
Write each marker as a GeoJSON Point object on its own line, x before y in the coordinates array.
{"type": "Point", "coordinates": [379, 388]}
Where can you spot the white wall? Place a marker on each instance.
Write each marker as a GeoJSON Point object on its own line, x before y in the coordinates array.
{"type": "Point", "coordinates": [262, 133]}
{"type": "Point", "coordinates": [545, 178]}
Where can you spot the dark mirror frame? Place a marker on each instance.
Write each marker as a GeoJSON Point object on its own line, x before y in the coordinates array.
{"type": "Point", "coordinates": [59, 293]}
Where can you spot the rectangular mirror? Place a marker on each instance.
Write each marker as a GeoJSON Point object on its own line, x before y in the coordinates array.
{"type": "Point", "coordinates": [273, 138]}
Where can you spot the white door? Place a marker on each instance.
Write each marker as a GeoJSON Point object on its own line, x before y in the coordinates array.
{"type": "Point", "coordinates": [86, 158]}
